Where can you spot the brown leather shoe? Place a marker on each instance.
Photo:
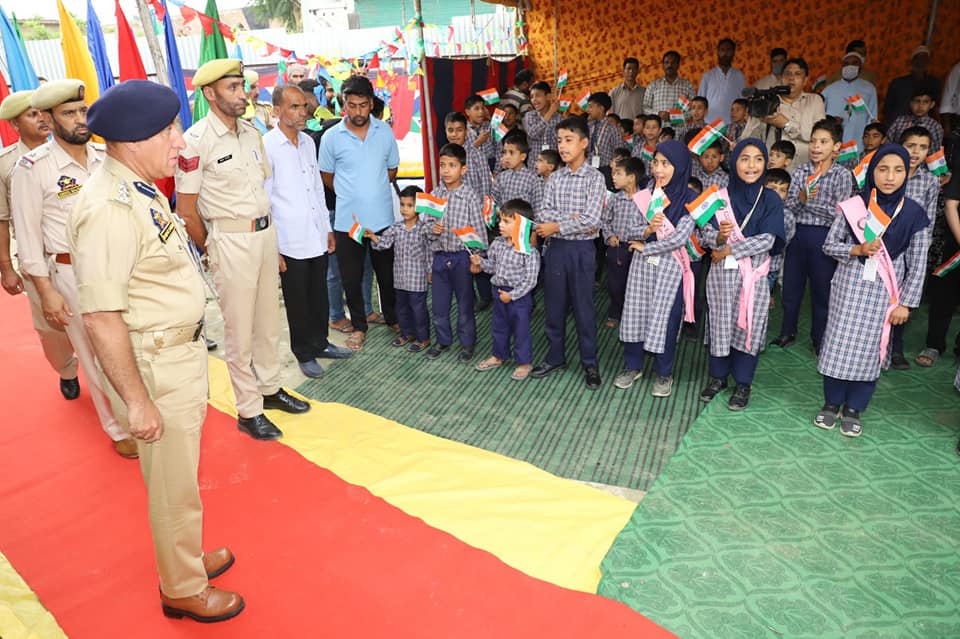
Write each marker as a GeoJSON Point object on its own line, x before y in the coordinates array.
{"type": "Point", "coordinates": [127, 448]}
{"type": "Point", "coordinates": [216, 562]}
{"type": "Point", "coordinates": [210, 606]}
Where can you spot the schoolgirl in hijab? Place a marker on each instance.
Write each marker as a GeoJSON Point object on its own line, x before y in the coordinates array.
{"type": "Point", "coordinates": [738, 297]}
{"type": "Point", "coordinates": [654, 300]}
{"type": "Point", "coordinates": [875, 286]}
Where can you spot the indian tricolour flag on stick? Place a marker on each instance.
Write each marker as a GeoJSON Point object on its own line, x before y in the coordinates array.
{"type": "Point", "coordinates": [706, 206]}
{"type": "Point", "coordinates": [857, 104]}
{"type": "Point", "coordinates": [356, 232]}
{"type": "Point", "coordinates": [562, 79]}
{"type": "Point", "coordinates": [430, 205]}
{"type": "Point", "coordinates": [646, 153]}
{"type": "Point", "coordinates": [658, 202]}
{"type": "Point", "coordinates": [583, 99]}
{"type": "Point", "coordinates": [497, 118]}
{"type": "Point", "coordinates": [936, 163]}
{"type": "Point", "coordinates": [877, 220]}
{"type": "Point", "coordinates": [683, 103]}
{"type": "Point", "coordinates": [490, 96]}
{"type": "Point", "coordinates": [860, 171]}
{"type": "Point", "coordinates": [707, 136]}
{"type": "Point", "coordinates": [848, 151]}
{"type": "Point", "coordinates": [947, 266]}
{"type": "Point", "coordinates": [812, 183]}
{"type": "Point", "coordinates": [694, 250]}
{"type": "Point", "coordinates": [470, 238]}
{"type": "Point", "coordinates": [500, 132]}
{"type": "Point", "coordinates": [676, 117]}
{"type": "Point", "coordinates": [521, 235]}
{"type": "Point", "coordinates": [489, 210]}
{"type": "Point", "coordinates": [565, 102]}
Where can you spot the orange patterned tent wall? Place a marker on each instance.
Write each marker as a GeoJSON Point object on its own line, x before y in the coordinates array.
{"type": "Point", "coordinates": [594, 37]}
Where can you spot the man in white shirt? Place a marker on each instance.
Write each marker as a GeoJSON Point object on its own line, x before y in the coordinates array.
{"type": "Point", "coordinates": [778, 60]}
{"type": "Point", "coordinates": [303, 230]}
{"type": "Point", "coordinates": [722, 84]}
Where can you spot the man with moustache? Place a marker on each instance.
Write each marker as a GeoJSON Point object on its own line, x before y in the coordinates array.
{"type": "Point", "coordinates": [44, 187]}
{"type": "Point", "coordinates": [221, 197]}
{"type": "Point", "coordinates": [34, 131]}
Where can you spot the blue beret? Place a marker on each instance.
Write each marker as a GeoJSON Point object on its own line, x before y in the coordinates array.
{"type": "Point", "coordinates": [132, 111]}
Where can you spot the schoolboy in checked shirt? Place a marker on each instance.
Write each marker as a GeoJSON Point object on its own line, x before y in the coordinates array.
{"type": "Point", "coordinates": [478, 175]}
{"type": "Point", "coordinates": [411, 263]}
{"type": "Point", "coordinates": [569, 218]}
{"type": "Point", "coordinates": [604, 136]}
{"type": "Point", "coordinates": [451, 260]}
{"type": "Point", "coordinates": [515, 180]}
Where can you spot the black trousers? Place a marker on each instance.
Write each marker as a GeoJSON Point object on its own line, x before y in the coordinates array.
{"type": "Point", "coordinates": [944, 294]}
{"type": "Point", "coordinates": [350, 257]}
{"type": "Point", "coordinates": [304, 285]}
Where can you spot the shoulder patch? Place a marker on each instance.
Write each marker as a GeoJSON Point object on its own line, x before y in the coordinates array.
{"type": "Point", "coordinates": [99, 146]}
{"type": "Point", "coordinates": [27, 160]}
{"type": "Point", "coordinates": [123, 193]}
{"type": "Point", "coordinates": [188, 165]}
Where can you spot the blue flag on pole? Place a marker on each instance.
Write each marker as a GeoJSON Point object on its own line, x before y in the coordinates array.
{"type": "Point", "coordinates": [174, 70]}
{"type": "Point", "coordinates": [22, 75]}
{"type": "Point", "coordinates": [98, 49]}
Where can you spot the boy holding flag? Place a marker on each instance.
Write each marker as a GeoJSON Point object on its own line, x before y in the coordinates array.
{"type": "Point", "coordinates": [541, 122]}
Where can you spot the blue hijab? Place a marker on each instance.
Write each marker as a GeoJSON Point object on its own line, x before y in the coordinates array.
{"type": "Point", "coordinates": [768, 215]}
{"type": "Point", "coordinates": [911, 219]}
{"type": "Point", "coordinates": [677, 190]}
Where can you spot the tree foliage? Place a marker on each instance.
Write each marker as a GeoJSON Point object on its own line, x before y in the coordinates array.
{"type": "Point", "coordinates": [287, 11]}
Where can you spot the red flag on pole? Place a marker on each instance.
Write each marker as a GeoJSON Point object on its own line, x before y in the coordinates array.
{"type": "Point", "coordinates": [131, 65]}
{"type": "Point", "coordinates": [8, 134]}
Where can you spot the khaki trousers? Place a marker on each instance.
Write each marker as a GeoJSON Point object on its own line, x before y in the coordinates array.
{"type": "Point", "coordinates": [62, 277]}
{"type": "Point", "coordinates": [246, 273]}
{"type": "Point", "coordinates": [176, 378]}
{"type": "Point", "coordinates": [56, 345]}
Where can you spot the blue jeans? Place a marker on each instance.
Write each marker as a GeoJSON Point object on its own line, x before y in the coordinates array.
{"type": "Point", "coordinates": [335, 288]}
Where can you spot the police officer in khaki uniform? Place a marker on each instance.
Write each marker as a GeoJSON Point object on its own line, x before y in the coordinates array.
{"type": "Point", "coordinates": [34, 130]}
{"type": "Point", "coordinates": [220, 195]}
{"type": "Point", "coordinates": [142, 299]}
{"type": "Point", "coordinates": [260, 114]}
{"type": "Point", "coordinates": [44, 187]}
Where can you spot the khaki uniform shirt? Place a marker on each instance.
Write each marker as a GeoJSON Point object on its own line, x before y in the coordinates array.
{"type": "Point", "coordinates": [44, 186]}
{"type": "Point", "coordinates": [8, 159]}
{"type": "Point", "coordinates": [130, 254]}
{"type": "Point", "coordinates": [226, 169]}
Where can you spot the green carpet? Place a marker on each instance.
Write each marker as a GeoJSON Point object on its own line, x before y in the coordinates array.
{"type": "Point", "coordinates": [764, 526]}
{"type": "Point", "coordinates": [610, 436]}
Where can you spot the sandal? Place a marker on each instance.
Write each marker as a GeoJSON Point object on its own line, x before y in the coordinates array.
{"type": "Point", "coordinates": [400, 341]}
{"type": "Point", "coordinates": [489, 364]}
{"type": "Point", "coordinates": [927, 357]}
{"type": "Point", "coordinates": [610, 323]}
{"type": "Point", "coordinates": [343, 325]}
{"type": "Point", "coordinates": [375, 318]}
{"type": "Point", "coordinates": [356, 340]}
{"type": "Point", "coordinates": [521, 372]}
{"type": "Point", "coordinates": [416, 347]}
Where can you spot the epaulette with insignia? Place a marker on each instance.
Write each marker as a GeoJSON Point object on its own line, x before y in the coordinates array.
{"type": "Point", "coordinates": [27, 160]}
{"type": "Point", "coordinates": [123, 193]}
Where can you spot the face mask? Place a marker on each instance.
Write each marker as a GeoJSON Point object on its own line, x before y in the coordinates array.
{"type": "Point", "coordinates": [777, 68]}
{"type": "Point", "coordinates": [850, 72]}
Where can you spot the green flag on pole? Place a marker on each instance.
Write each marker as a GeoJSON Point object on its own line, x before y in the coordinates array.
{"type": "Point", "coordinates": [212, 47]}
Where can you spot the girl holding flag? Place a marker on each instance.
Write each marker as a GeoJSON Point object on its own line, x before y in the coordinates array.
{"type": "Point", "coordinates": [660, 282]}
{"type": "Point", "coordinates": [743, 236]}
{"type": "Point", "coordinates": [879, 241]}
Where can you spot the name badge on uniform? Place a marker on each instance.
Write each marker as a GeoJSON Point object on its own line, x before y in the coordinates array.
{"type": "Point", "coordinates": [595, 161]}
{"type": "Point", "coordinates": [163, 224]}
{"type": "Point", "coordinates": [870, 270]}
{"type": "Point", "coordinates": [653, 260]}
{"type": "Point", "coordinates": [544, 147]}
{"type": "Point", "coordinates": [224, 158]}
{"type": "Point", "coordinates": [730, 263]}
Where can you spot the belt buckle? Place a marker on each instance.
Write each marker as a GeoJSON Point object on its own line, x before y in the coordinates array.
{"type": "Point", "coordinates": [260, 223]}
{"type": "Point", "coordinates": [197, 333]}
{"type": "Point", "coordinates": [158, 339]}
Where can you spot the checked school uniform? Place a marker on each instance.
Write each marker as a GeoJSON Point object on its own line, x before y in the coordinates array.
{"type": "Point", "coordinates": [488, 149]}
{"type": "Point", "coordinates": [718, 177]}
{"type": "Point", "coordinates": [515, 273]}
{"type": "Point", "coordinates": [411, 263]}
{"type": "Point", "coordinates": [522, 183]}
{"type": "Point", "coordinates": [574, 199]}
{"type": "Point", "coordinates": [478, 175]}
{"type": "Point", "coordinates": [451, 264]}
{"type": "Point", "coordinates": [904, 122]}
{"type": "Point", "coordinates": [807, 225]}
{"type": "Point", "coordinates": [605, 138]}
{"type": "Point", "coordinates": [541, 134]}
{"type": "Point", "coordinates": [620, 215]}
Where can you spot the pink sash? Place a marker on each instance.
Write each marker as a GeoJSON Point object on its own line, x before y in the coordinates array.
{"type": "Point", "coordinates": [748, 274]}
{"type": "Point", "coordinates": [642, 200]}
{"type": "Point", "coordinates": [856, 213]}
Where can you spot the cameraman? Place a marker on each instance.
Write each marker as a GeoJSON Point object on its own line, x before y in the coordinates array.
{"type": "Point", "coordinates": [798, 111]}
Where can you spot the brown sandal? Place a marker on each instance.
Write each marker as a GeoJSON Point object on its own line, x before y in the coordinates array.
{"type": "Point", "coordinates": [489, 364]}
{"type": "Point", "coordinates": [375, 318]}
{"type": "Point", "coordinates": [521, 372]}
{"type": "Point", "coordinates": [356, 340]}
{"type": "Point", "coordinates": [342, 325]}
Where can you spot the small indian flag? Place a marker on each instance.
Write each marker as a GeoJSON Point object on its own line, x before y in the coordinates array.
{"type": "Point", "coordinates": [706, 206]}
{"type": "Point", "coordinates": [562, 79]}
{"type": "Point", "coordinates": [583, 99]}
{"type": "Point", "coordinates": [819, 83]}
{"type": "Point", "coordinates": [860, 171]}
{"type": "Point", "coordinates": [856, 103]}
{"type": "Point", "coordinates": [947, 266]}
{"type": "Point", "coordinates": [646, 153]}
{"type": "Point", "coordinates": [470, 238]}
{"type": "Point", "coordinates": [489, 210]}
{"type": "Point", "coordinates": [694, 250]}
{"type": "Point", "coordinates": [565, 102]}
{"type": "Point", "coordinates": [813, 182]}
{"type": "Point", "coordinates": [877, 220]}
{"type": "Point", "coordinates": [848, 151]}
{"type": "Point", "coordinates": [936, 163]}
{"type": "Point", "coordinates": [497, 118]}
{"type": "Point", "coordinates": [430, 205]}
{"type": "Point", "coordinates": [521, 235]}
{"type": "Point", "coordinates": [658, 202]}
{"type": "Point", "coordinates": [490, 96]}
{"type": "Point", "coordinates": [500, 131]}
{"type": "Point", "coordinates": [356, 232]}
{"type": "Point", "coordinates": [683, 103]}
{"type": "Point", "coordinates": [676, 117]}
{"type": "Point", "coordinates": [707, 136]}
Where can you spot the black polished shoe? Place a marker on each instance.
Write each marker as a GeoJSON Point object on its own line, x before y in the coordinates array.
{"type": "Point", "coordinates": [784, 341]}
{"type": "Point", "coordinates": [259, 427]}
{"type": "Point", "coordinates": [282, 400]}
{"type": "Point", "coordinates": [741, 397]}
{"type": "Point", "coordinates": [591, 377]}
{"type": "Point", "coordinates": [465, 355]}
{"type": "Point", "coordinates": [436, 351]}
{"type": "Point", "coordinates": [70, 388]}
{"type": "Point", "coordinates": [898, 362]}
{"type": "Point", "coordinates": [544, 369]}
{"type": "Point", "coordinates": [713, 389]}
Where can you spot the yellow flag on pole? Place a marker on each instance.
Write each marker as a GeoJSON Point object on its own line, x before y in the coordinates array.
{"type": "Point", "coordinates": [76, 55]}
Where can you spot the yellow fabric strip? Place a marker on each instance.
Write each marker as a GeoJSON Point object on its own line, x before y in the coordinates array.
{"type": "Point", "coordinates": [553, 529]}
{"type": "Point", "coordinates": [22, 616]}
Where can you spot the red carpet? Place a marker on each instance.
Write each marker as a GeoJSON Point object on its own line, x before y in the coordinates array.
{"type": "Point", "coordinates": [316, 557]}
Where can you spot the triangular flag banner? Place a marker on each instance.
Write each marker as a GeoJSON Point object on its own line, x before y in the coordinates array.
{"type": "Point", "coordinates": [521, 235]}
{"type": "Point", "coordinates": [131, 65]}
{"type": "Point", "coordinates": [848, 151]}
{"type": "Point", "coordinates": [174, 68]}
{"type": "Point", "coordinates": [706, 206]}
{"type": "Point", "coordinates": [937, 163]}
{"type": "Point", "coordinates": [76, 56]}
{"type": "Point", "coordinates": [212, 47]}
{"type": "Point", "coordinates": [22, 75]}
{"type": "Point", "coordinates": [877, 219]}
{"type": "Point", "coordinates": [470, 238]}
{"type": "Point", "coordinates": [98, 49]}
{"type": "Point", "coordinates": [430, 205]}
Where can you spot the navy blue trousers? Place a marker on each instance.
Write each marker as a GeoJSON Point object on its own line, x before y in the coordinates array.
{"type": "Point", "coordinates": [484, 288]}
{"type": "Point", "coordinates": [569, 269]}
{"type": "Point", "coordinates": [512, 320]}
{"type": "Point", "coordinates": [618, 267]}
{"type": "Point", "coordinates": [452, 276]}
{"type": "Point", "coordinates": [634, 353]}
{"type": "Point", "coordinates": [742, 365]}
{"type": "Point", "coordinates": [700, 270]}
{"type": "Point", "coordinates": [805, 260]}
{"type": "Point", "coordinates": [412, 314]}
{"type": "Point", "coordinates": [853, 395]}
